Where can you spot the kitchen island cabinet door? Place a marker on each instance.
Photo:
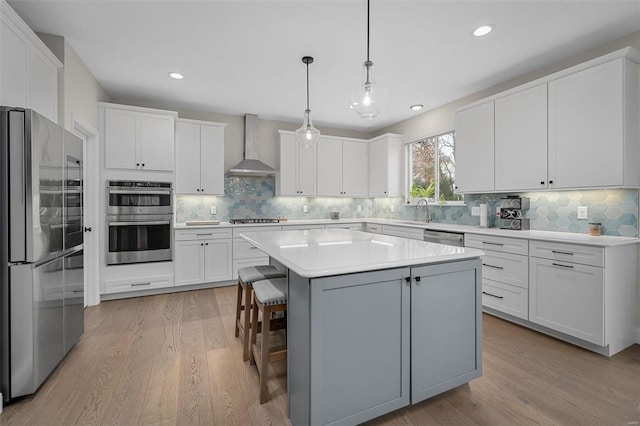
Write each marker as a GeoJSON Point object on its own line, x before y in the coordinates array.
{"type": "Point", "coordinates": [474, 149]}
{"type": "Point", "coordinates": [360, 338]}
{"type": "Point", "coordinates": [446, 327]}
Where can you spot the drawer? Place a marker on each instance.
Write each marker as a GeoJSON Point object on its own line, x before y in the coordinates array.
{"type": "Point", "coordinates": [502, 244]}
{"type": "Point", "coordinates": [202, 234]}
{"type": "Point", "coordinates": [505, 298]}
{"type": "Point", "coordinates": [585, 255]}
{"type": "Point", "coordinates": [404, 232]}
{"type": "Point", "coordinates": [243, 250]}
{"type": "Point", "coordinates": [506, 268]}
{"type": "Point", "coordinates": [243, 229]}
{"type": "Point", "coordinates": [352, 226]}
{"type": "Point", "coordinates": [119, 286]}
{"type": "Point", "coordinates": [373, 228]}
{"type": "Point", "coordinates": [302, 227]}
{"type": "Point", "coordinates": [241, 263]}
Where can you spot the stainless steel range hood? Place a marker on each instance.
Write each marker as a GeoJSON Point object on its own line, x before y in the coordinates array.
{"type": "Point", "coordinates": [250, 165]}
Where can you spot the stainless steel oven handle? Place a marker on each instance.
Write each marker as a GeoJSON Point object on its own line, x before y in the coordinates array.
{"type": "Point", "coordinates": [142, 222]}
{"type": "Point", "coordinates": [140, 192]}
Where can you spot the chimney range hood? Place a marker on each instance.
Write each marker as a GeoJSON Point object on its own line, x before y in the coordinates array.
{"type": "Point", "coordinates": [250, 165]}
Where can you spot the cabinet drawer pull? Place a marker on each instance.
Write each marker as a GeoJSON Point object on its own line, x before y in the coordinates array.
{"type": "Point", "coordinates": [203, 235]}
{"type": "Point", "coordinates": [563, 266]}
{"type": "Point", "coordinates": [568, 253]}
{"type": "Point", "coordinates": [253, 248]}
{"type": "Point", "coordinates": [492, 244]}
{"type": "Point", "coordinates": [493, 266]}
{"type": "Point", "coordinates": [493, 295]}
{"type": "Point", "coordinates": [139, 284]}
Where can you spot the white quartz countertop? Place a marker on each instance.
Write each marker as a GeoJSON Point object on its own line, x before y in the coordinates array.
{"type": "Point", "coordinates": [326, 252]}
{"type": "Point", "coordinates": [561, 237]}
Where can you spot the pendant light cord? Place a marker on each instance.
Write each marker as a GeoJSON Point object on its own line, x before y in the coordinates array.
{"type": "Point", "coordinates": [367, 31]}
{"type": "Point", "coordinates": [307, 85]}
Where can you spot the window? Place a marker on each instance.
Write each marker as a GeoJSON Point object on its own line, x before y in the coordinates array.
{"type": "Point", "coordinates": [432, 169]}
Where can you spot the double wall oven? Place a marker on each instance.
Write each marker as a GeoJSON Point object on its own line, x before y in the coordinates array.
{"type": "Point", "coordinates": [139, 217]}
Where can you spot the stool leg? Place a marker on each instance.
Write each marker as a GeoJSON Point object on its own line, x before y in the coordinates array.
{"type": "Point", "coordinates": [264, 353]}
{"type": "Point", "coordinates": [254, 332]}
{"type": "Point", "coordinates": [238, 306]}
{"type": "Point", "coordinates": [248, 324]}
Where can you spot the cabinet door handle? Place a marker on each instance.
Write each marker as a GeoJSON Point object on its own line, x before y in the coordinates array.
{"type": "Point", "coordinates": [417, 279]}
{"type": "Point", "coordinates": [206, 244]}
{"type": "Point", "coordinates": [563, 266]}
{"type": "Point", "coordinates": [142, 164]}
{"type": "Point", "coordinates": [139, 284]}
{"type": "Point", "coordinates": [492, 244]}
{"type": "Point", "coordinates": [197, 190]}
{"type": "Point", "coordinates": [541, 182]}
{"type": "Point", "coordinates": [492, 266]}
{"type": "Point", "coordinates": [493, 295]}
{"type": "Point", "coordinates": [568, 253]}
{"type": "Point", "coordinates": [407, 279]}
{"type": "Point", "coordinates": [137, 164]}
{"type": "Point", "coordinates": [201, 244]}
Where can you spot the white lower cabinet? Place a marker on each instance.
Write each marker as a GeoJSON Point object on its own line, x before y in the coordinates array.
{"type": "Point", "coordinates": [505, 277]}
{"type": "Point", "coordinates": [568, 297]}
{"type": "Point", "coordinates": [203, 256]}
{"type": "Point", "coordinates": [245, 254]}
{"type": "Point", "coordinates": [136, 284]}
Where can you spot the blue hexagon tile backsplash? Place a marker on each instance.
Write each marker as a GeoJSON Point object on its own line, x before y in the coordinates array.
{"type": "Point", "coordinates": [616, 209]}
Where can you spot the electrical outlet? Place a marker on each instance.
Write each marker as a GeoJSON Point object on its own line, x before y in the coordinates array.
{"type": "Point", "coordinates": [359, 208]}
{"type": "Point", "coordinates": [214, 210]}
{"type": "Point", "coordinates": [393, 208]}
{"type": "Point", "coordinates": [582, 212]}
{"type": "Point", "coordinates": [475, 211]}
{"type": "Point", "coordinates": [305, 209]}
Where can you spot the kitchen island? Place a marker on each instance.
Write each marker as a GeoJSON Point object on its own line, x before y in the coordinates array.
{"type": "Point", "coordinates": [375, 322]}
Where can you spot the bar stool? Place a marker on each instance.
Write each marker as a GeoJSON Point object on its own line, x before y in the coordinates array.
{"type": "Point", "coordinates": [268, 296]}
{"type": "Point", "coordinates": [246, 277]}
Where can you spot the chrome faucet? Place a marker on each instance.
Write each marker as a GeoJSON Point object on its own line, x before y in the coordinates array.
{"type": "Point", "coordinates": [426, 204]}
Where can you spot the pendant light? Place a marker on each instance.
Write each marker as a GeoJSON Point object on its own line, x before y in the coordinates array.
{"type": "Point", "coordinates": [307, 135]}
{"type": "Point", "coordinates": [368, 100]}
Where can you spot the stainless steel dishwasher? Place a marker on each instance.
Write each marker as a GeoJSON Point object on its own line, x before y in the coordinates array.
{"type": "Point", "coordinates": [444, 237]}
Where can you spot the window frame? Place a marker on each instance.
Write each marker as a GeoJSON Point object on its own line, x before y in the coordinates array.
{"type": "Point", "coordinates": [409, 175]}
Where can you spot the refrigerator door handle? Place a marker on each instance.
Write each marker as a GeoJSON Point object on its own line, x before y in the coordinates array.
{"type": "Point", "coordinates": [17, 189]}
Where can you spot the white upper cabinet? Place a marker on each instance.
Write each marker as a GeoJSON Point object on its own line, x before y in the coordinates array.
{"type": "Point", "coordinates": [297, 167]}
{"type": "Point", "coordinates": [577, 128]}
{"type": "Point", "coordinates": [199, 157]}
{"type": "Point", "coordinates": [385, 166]}
{"type": "Point", "coordinates": [355, 167]}
{"type": "Point", "coordinates": [521, 140]}
{"type": "Point", "coordinates": [342, 168]}
{"type": "Point", "coordinates": [474, 149]}
{"type": "Point", "coordinates": [28, 69]}
{"type": "Point", "coordinates": [593, 127]}
{"type": "Point", "coordinates": [138, 138]}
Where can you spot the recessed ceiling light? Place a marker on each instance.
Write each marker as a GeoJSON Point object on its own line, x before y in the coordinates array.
{"type": "Point", "coordinates": [483, 30]}
{"type": "Point", "coordinates": [416, 107]}
{"type": "Point", "coordinates": [176, 75]}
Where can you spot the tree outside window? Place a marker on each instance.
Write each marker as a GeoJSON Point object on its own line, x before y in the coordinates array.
{"type": "Point", "coordinates": [432, 169]}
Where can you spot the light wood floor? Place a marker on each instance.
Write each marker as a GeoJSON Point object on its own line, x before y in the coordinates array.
{"type": "Point", "coordinates": [173, 359]}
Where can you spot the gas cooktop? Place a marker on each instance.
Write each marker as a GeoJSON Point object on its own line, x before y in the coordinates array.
{"type": "Point", "coordinates": [255, 220]}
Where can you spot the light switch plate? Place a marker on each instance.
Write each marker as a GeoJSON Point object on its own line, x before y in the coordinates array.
{"type": "Point", "coordinates": [214, 210]}
{"type": "Point", "coordinates": [582, 212]}
{"type": "Point", "coordinates": [359, 208]}
{"type": "Point", "coordinates": [305, 209]}
{"type": "Point", "coordinates": [475, 211]}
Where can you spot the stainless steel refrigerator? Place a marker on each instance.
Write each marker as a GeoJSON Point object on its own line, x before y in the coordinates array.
{"type": "Point", "coordinates": [41, 252]}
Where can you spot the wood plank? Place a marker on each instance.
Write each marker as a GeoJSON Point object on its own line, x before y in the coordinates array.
{"type": "Point", "coordinates": [173, 359]}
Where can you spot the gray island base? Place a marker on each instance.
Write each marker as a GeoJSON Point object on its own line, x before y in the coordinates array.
{"type": "Point", "coordinates": [400, 321]}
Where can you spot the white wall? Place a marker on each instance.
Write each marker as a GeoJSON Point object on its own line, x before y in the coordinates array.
{"type": "Point", "coordinates": [78, 90]}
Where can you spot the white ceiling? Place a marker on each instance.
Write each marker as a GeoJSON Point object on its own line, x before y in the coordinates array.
{"type": "Point", "coordinates": [245, 56]}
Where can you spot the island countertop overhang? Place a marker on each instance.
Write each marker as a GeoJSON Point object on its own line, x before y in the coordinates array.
{"type": "Point", "coordinates": [321, 253]}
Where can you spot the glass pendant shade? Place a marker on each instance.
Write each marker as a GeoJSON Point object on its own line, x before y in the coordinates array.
{"type": "Point", "coordinates": [307, 135]}
{"type": "Point", "coordinates": [368, 100]}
